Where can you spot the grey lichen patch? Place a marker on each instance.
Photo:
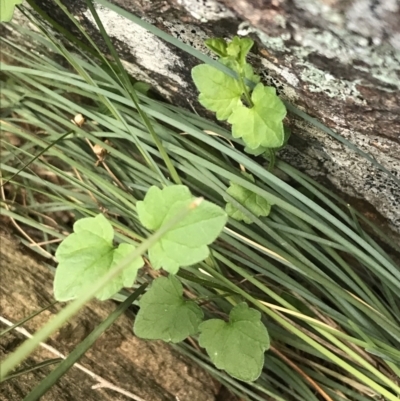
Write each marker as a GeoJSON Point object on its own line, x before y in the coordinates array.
{"type": "Point", "coordinates": [321, 81]}
{"type": "Point", "coordinates": [151, 53]}
{"type": "Point", "coordinates": [189, 34]}
{"type": "Point", "coordinates": [378, 19]}
{"type": "Point", "coordinates": [382, 62]}
{"type": "Point", "coordinates": [349, 172]}
{"type": "Point", "coordinates": [268, 78]}
{"type": "Point", "coordinates": [288, 92]}
{"type": "Point", "coordinates": [320, 9]}
{"type": "Point", "coordinates": [273, 43]}
{"type": "Point", "coordinates": [352, 50]}
{"type": "Point", "coordinates": [206, 10]}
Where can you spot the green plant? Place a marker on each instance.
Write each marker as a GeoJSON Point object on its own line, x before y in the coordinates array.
{"type": "Point", "coordinates": [255, 203]}
{"type": "Point", "coordinates": [327, 291]}
{"type": "Point", "coordinates": [7, 9]}
{"type": "Point", "coordinates": [254, 110]}
{"type": "Point", "coordinates": [165, 315]}
{"type": "Point", "coordinates": [88, 254]}
{"type": "Point", "coordinates": [236, 346]}
{"type": "Point", "coordinates": [186, 244]}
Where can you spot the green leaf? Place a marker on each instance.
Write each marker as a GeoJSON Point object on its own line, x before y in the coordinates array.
{"type": "Point", "coordinates": [218, 46]}
{"type": "Point", "coordinates": [186, 244]}
{"type": "Point", "coordinates": [238, 49]}
{"type": "Point", "coordinates": [261, 149]}
{"type": "Point", "coordinates": [249, 74]}
{"type": "Point", "coordinates": [262, 124]}
{"type": "Point", "coordinates": [248, 71]}
{"type": "Point", "coordinates": [251, 201]}
{"type": "Point", "coordinates": [255, 152]}
{"type": "Point", "coordinates": [7, 9]}
{"type": "Point", "coordinates": [142, 87]}
{"type": "Point", "coordinates": [86, 255]}
{"type": "Point", "coordinates": [165, 315]}
{"type": "Point", "coordinates": [286, 136]}
{"type": "Point", "coordinates": [237, 346]}
{"type": "Point", "coordinates": [218, 91]}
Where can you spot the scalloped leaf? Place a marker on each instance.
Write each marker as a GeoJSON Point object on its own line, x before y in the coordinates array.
{"type": "Point", "coordinates": [250, 200]}
{"type": "Point", "coordinates": [186, 243]}
{"type": "Point", "coordinates": [237, 346]}
{"type": "Point", "coordinates": [165, 315]}
{"type": "Point", "coordinates": [88, 254]}
{"type": "Point", "coordinates": [219, 92]}
{"type": "Point", "coordinates": [260, 125]}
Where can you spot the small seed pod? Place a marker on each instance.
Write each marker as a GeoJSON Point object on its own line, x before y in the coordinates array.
{"type": "Point", "coordinates": [79, 120]}
{"type": "Point", "coordinates": [100, 152]}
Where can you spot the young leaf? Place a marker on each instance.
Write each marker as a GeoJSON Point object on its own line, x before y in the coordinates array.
{"type": "Point", "coordinates": [237, 346]}
{"type": "Point", "coordinates": [248, 71]}
{"type": "Point", "coordinates": [249, 74]}
{"type": "Point", "coordinates": [217, 45]}
{"type": "Point", "coordinates": [251, 201]}
{"type": "Point", "coordinates": [7, 9]}
{"type": "Point", "coordinates": [262, 124]}
{"type": "Point", "coordinates": [218, 91]}
{"type": "Point", "coordinates": [86, 255]}
{"type": "Point", "coordinates": [165, 315]}
{"type": "Point", "coordinates": [186, 244]}
{"type": "Point", "coordinates": [238, 49]}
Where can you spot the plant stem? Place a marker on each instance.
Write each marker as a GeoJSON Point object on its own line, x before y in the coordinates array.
{"type": "Point", "coordinates": [245, 90]}
{"type": "Point", "coordinates": [272, 158]}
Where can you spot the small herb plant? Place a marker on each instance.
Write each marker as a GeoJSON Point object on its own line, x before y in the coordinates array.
{"type": "Point", "coordinates": [236, 346]}
{"type": "Point", "coordinates": [256, 114]}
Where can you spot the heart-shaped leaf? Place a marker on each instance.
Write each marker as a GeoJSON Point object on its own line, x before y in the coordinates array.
{"type": "Point", "coordinates": [186, 244]}
{"type": "Point", "coordinates": [250, 200]}
{"type": "Point", "coordinates": [219, 92]}
{"type": "Point", "coordinates": [88, 254]}
{"type": "Point", "coordinates": [260, 125]}
{"type": "Point", "coordinates": [237, 346]}
{"type": "Point", "coordinates": [165, 315]}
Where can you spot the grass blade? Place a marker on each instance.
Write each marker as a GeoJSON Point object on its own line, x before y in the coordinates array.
{"type": "Point", "coordinates": [82, 348]}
